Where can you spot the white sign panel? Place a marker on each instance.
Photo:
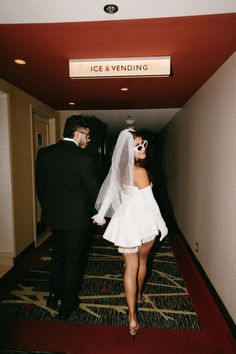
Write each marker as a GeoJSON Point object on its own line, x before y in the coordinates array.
{"type": "Point", "coordinates": [121, 67]}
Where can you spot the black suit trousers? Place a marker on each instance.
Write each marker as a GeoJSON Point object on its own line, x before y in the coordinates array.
{"type": "Point", "coordinates": [65, 265]}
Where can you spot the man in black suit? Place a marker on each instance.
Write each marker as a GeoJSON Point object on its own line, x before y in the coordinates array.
{"type": "Point", "coordinates": [67, 189]}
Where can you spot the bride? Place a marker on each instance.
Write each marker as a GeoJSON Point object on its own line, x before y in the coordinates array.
{"type": "Point", "coordinates": [126, 196]}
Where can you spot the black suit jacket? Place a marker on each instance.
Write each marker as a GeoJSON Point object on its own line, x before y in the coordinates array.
{"type": "Point", "coordinates": [66, 185]}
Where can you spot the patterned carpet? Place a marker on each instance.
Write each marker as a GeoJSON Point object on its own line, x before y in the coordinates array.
{"type": "Point", "coordinates": [102, 300]}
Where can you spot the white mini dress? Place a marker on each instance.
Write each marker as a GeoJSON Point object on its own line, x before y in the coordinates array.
{"type": "Point", "coordinates": [137, 220]}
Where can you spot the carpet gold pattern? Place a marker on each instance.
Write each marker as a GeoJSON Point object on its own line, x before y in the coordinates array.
{"type": "Point", "coordinates": [167, 303]}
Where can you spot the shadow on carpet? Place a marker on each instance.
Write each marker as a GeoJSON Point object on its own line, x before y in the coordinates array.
{"type": "Point", "coordinates": [102, 301]}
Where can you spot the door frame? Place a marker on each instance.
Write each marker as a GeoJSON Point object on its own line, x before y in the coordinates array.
{"type": "Point", "coordinates": [52, 139]}
{"type": "Point", "coordinates": [8, 249]}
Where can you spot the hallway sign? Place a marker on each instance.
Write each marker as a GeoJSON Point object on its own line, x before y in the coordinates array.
{"type": "Point", "coordinates": [120, 67]}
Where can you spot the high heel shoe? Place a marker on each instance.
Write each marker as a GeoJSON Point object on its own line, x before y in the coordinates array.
{"type": "Point", "coordinates": [133, 330]}
{"type": "Point", "coordinates": [141, 301]}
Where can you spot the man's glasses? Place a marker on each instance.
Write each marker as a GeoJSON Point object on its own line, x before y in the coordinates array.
{"type": "Point", "coordinates": [87, 134]}
{"type": "Point", "coordinates": [142, 146]}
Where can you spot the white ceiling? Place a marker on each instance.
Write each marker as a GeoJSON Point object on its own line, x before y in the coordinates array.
{"type": "Point", "coordinates": [44, 11]}
{"type": "Point", "coordinates": [48, 11]}
{"type": "Point", "coordinates": [116, 119]}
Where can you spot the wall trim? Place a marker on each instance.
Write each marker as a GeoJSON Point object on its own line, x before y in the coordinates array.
{"type": "Point", "coordinates": [38, 239]}
{"type": "Point", "coordinates": [6, 258]}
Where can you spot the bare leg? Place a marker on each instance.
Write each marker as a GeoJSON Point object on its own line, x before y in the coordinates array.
{"type": "Point", "coordinates": [144, 251]}
{"type": "Point", "coordinates": [130, 285]}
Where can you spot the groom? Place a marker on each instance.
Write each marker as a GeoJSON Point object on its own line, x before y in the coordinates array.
{"type": "Point", "coordinates": [67, 189]}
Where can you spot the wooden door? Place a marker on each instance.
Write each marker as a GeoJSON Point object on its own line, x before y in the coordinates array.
{"type": "Point", "coordinates": [41, 126]}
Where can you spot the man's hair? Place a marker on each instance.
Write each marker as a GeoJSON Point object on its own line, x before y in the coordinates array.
{"type": "Point", "coordinates": [73, 123]}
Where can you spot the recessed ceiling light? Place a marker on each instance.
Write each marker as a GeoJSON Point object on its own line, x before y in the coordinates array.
{"type": "Point", "coordinates": [124, 89]}
{"type": "Point", "coordinates": [129, 121]}
{"type": "Point", "coordinates": [20, 61]}
{"type": "Point", "coordinates": [71, 103]}
{"type": "Point", "coordinates": [110, 9]}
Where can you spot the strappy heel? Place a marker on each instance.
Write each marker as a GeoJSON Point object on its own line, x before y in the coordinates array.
{"type": "Point", "coordinates": [141, 301]}
{"type": "Point", "coordinates": [133, 330]}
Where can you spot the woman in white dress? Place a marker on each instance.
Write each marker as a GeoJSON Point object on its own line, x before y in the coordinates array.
{"type": "Point", "coordinates": [126, 196]}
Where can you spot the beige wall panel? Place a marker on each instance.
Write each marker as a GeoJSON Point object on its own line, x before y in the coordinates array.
{"type": "Point", "coordinates": [22, 161]}
{"type": "Point", "coordinates": [200, 160]}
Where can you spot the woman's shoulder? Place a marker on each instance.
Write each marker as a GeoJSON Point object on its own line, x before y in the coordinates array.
{"type": "Point", "coordinates": [140, 170]}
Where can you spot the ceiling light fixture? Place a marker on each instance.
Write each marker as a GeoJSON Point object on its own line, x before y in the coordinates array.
{"type": "Point", "coordinates": [129, 121]}
{"type": "Point", "coordinates": [124, 89]}
{"type": "Point", "coordinates": [71, 103]}
{"type": "Point", "coordinates": [20, 61]}
{"type": "Point", "coordinates": [110, 9]}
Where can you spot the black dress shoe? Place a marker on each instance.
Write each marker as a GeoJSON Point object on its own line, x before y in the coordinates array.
{"type": "Point", "coordinates": [66, 311]}
{"type": "Point", "coordinates": [52, 301]}
{"type": "Point", "coordinates": [64, 314]}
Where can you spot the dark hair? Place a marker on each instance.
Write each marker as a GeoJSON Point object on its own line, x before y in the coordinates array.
{"type": "Point", "coordinates": [136, 134]}
{"type": "Point", "coordinates": [133, 133]}
{"type": "Point", "coordinates": [73, 123]}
